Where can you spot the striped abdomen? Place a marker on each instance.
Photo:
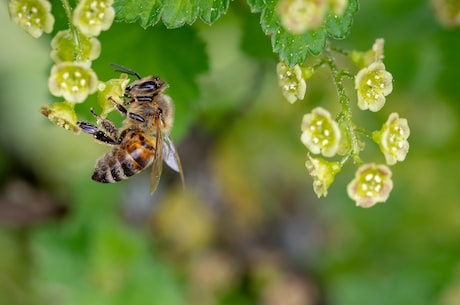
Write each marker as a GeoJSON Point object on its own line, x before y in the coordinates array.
{"type": "Point", "coordinates": [134, 154]}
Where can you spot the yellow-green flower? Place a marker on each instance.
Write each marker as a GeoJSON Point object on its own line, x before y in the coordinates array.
{"type": "Point", "coordinates": [64, 48]}
{"type": "Point", "coordinates": [392, 139]}
{"type": "Point", "coordinates": [323, 173]}
{"type": "Point", "coordinates": [298, 16]}
{"type": "Point", "coordinates": [320, 133]}
{"type": "Point", "coordinates": [72, 80]}
{"type": "Point", "coordinates": [291, 81]}
{"type": "Point", "coordinates": [93, 16]}
{"type": "Point", "coordinates": [372, 184]}
{"type": "Point", "coordinates": [113, 88]}
{"type": "Point", "coordinates": [373, 84]}
{"type": "Point", "coordinates": [33, 16]}
{"type": "Point", "coordinates": [62, 114]}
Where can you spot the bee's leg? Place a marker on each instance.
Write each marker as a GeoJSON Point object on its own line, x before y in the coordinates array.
{"type": "Point", "coordinates": [106, 125]}
{"type": "Point", "coordinates": [97, 133]}
{"type": "Point", "coordinates": [122, 109]}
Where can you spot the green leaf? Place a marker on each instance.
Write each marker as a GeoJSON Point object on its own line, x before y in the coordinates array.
{"type": "Point", "coordinates": [339, 27]}
{"type": "Point", "coordinates": [147, 12]}
{"type": "Point", "coordinates": [294, 49]}
{"type": "Point", "coordinates": [173, 13]}
{"type": "Point", "coordinates": [256, 6]}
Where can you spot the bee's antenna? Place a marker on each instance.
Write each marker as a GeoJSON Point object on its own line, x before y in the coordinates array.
{"type": "Point", "coordinates": [122, 69]}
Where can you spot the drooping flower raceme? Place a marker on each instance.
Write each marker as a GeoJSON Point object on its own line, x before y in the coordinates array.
{"type": "Point", "coordinates": [392, 139]}
{"type": "Point", "coordinates": [320, 133]}
{"type": "Point", "coordinates": [64, 47]}
{"type": "Point", "coordinates": [373, 84]}
{"type": "Point", "coordinates": [93, 16]}
{"type": "Point", "coordinates": [291, 81]}
{"type": "Point", "coordinates": [323, 173]}
{"type": "Point", "coordinates": [33, 16]}
{"type": "Point", "coordinates": [72, 80]}
{"type": "Point", "coordinates": [372, 184]}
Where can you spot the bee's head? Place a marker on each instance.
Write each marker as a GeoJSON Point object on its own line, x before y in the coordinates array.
{"type": "Point", "coordinates": [150, 85]}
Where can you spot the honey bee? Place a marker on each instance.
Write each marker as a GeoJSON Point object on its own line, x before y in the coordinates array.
{"type": "Point", "coordinates": [143, 140]}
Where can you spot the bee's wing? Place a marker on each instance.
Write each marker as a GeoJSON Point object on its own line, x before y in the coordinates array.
{"type": "Point", "coordinates": [171, 157]}
{"type": "Point", "coordinates": [157, 166]}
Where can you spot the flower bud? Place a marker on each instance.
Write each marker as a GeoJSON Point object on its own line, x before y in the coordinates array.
{"type": "Point", "coordinates": [291, 81]}
{"type": "Point", "coordinates": [323, 173]}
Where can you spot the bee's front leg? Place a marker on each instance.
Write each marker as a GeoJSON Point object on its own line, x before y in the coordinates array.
{"type": "Point", "coordinates": [122, 109]}
{"type": "Point", "coordinates": [108, 133]}
{"type": "Point", "coordinates": [97, 133]}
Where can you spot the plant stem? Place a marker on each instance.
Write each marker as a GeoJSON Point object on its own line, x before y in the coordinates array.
{"type": "Point", "coordinates": [345, 115]}
{"type": "Point", "coordinates": [73, 29]}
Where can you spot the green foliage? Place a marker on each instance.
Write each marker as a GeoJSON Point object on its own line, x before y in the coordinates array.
{"type": "Point", "coordinates": [292, 48]}
{"type": "Point", "coordinates": [172, 13]}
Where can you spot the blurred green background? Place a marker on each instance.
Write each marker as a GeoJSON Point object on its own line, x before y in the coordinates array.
{"type": "Point", "coordinates": [248, 229]}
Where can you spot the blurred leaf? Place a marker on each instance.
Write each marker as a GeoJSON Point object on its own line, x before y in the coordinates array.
{"type": "Point", "coordinates": [173, 13]}
{"type": "Point", "coordinates": [294, 49]}
{"type": "Point", "coordinates": [254, 42]}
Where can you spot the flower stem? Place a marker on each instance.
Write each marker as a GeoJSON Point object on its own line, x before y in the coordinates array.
{"type": "Point", "coordinates": [73, 29]}
{"type": "Point", "coordinates": [345, 115]}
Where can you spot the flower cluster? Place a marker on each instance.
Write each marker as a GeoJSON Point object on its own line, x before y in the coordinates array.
{"type": "Point", "coordinates": [299, 16]}
{"type": "Point", "coordinates": [72, 51]}
{"type": "Point", "coordinates": [322, 134]}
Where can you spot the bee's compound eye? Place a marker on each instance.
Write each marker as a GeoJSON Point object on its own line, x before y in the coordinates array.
{"type": "Point", "coordinates": [149, 85]}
